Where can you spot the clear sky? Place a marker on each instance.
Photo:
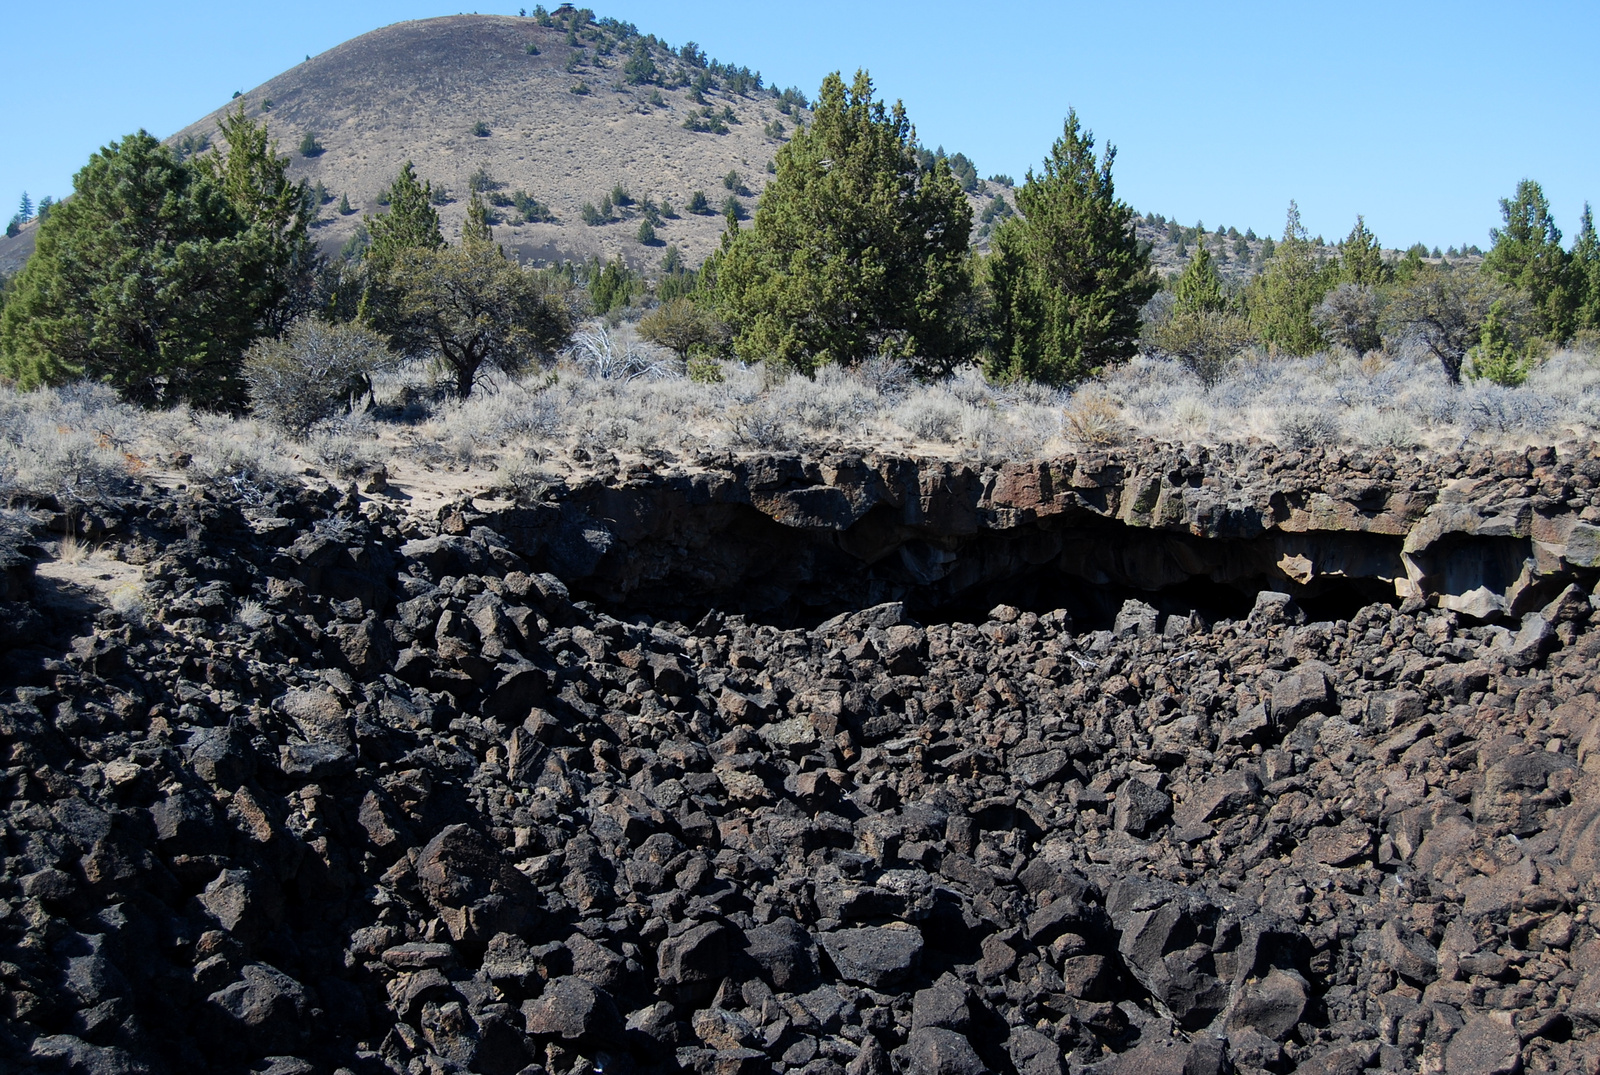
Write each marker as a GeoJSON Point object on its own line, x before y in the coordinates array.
{"type": "Point", "coordinates": [1420, 115]}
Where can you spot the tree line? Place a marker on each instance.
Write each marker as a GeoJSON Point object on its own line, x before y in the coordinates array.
{"type": "Point", "coordinates": [859, 249]}
{"type": "Point", "coordinates": [192, 278]}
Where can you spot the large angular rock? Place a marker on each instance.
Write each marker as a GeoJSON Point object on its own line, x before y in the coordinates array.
{"type": "Point", "coordinates": [266, 1008]}
{"type": "Point", "coordinates": [696, 960]}
{"type": "Point", "coordinates": [785, 953]}
{"type": "Point", "coordinates": [1160, 943]}
{"type": "Point", "coordinates": [876, 956]}
{"type": "Point", "coordinates": [1484, 1046]}
{"type": "Point", "coordinates": [1300, 694]}
{"type": "Point", "coordinates": [476, 891]}
{"type": "Point", "coordinates": [1220, 797]}
{"type": "Point", "coordinates": [572, 1010]}
{"type": "Point", "coordinates": [1271, 1006]}
{"type": "Point", "coordinates": [938, 1051]}
{"type": "Point", "coordinates": [1139, 808]}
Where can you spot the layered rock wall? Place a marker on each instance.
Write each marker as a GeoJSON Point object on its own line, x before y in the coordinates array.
{"type": "Point", "coordinates": [1487, 535]}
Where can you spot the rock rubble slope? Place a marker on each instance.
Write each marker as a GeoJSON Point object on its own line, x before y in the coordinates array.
{"type": "Point", "coordinates": [368, 793]}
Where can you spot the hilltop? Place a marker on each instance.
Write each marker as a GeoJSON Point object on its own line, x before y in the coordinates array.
{"type": "Point", "coordinates": [505, 97]}
{"type": "Point", "coordinates": [562, 109]}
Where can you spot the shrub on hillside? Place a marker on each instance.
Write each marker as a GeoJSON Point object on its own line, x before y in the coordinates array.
{"type": "Point", "coordinates": [312, 372]}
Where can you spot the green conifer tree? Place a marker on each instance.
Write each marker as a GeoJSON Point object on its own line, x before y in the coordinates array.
{"type": "Point", "coordinates": [147, 279]}
{"type": "Point", "coordinates": [1585, 273]}
{"type": "Point", "coordinates": [1361, 258]}
{"type": "Point", "coordinates": [476, 229]}
{"type": "Point", "coordinates": [855, 252]}
{"type": "Point", "coordinates": [1199, 289]}
{"type": "Point", "coordinates": [1281, 299]}
{"type": "Point", "coordinates": [1527, 254]}
{"type": "Point", "coordinates": [1069, 275]}
{"type": "Point", "coordinates": [256, 181]}
{"type": "Point", "coordinates": [1497, 358]}
{"type": "Point", "coordinates": [411, 221]}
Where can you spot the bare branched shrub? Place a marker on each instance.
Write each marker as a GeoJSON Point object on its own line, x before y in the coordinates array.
{"type": "Point", "coordinates": [888, 378]}
{"type": "Point", "coordinates": [523, 479]}
{"type": "Point", "coordinates": [343, 455]}
{"type": "Point", "coordinates": [312, 372]}
{"type": "Point", "coordinates": [75, 467]}
{"type": "Point", "coordinates": [833, 401]}
{"type": "Point", "coordinates": [1383, 429]}
{"type": "Point", "coordinates": [247, 457]}
{"type": "Point", "coordinates": [760, 425]}
{"type": "Point", "coordinates": [608, 355]}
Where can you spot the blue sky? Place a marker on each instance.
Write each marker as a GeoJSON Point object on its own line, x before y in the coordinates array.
{"type": "Point", "coordinates": [1420, 115]}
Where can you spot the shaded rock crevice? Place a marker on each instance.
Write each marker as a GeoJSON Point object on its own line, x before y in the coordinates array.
{"type": "Point", "coordinates": [796, 540]}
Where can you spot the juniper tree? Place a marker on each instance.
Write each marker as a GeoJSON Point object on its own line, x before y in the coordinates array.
{"type": "Point", "coordinates": [1201, 331]}
{"type": "Point", "coordinates": [475, 229]}
{"type": "Point", "coordinates": [1281, 299]}
{"type": "Point", "coordinates": [1585, 273]}
{"type": "Point", "coordinates": [1199, 289]}
{"type": "Point", "coordinates": [855, 252]}
{"type": "Point", "coordinates": [411, 222]}
{"type": "Point", "coordinates": [1445, 310]}
{"type": "Point", "coordinates": [1069, 275]}
{"type": "Point", "coordinates": [469, 307]}
{"type": "Point", "coordinates": [255, 180]}
{"type": "Point", "coordinates": [1361, 258]}
{"type": "Point", "coordinates": [147, 279]}
{"type": "Point", "coordinates": [1527, 254]}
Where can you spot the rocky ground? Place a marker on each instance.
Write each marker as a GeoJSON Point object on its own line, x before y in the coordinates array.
{"type": "Point", "coordinates": [358, 791]}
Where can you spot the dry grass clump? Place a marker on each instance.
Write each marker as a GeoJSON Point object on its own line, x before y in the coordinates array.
{"type": "Point", "coordinates": [1400, 400]}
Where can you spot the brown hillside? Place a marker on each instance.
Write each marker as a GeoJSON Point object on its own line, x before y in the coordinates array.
{"type": "Point", "coordinates": [415, 90]}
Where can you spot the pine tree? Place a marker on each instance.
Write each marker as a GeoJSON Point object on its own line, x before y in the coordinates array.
{"type": "Point", "coordinates": [1361, 258]}
{"type": "Point", "coordinates": [345, 208]}
{"type": "Point", "coordinates": [25, 210]}
{"type": "Point", "coordinates": [1527, 254]}
{"type": "Point", "coordinates": [256, 181]}
{"type": "Point", "coordinates": [1585, 273]}
{"type": "Point", "coordinates": [1281, 299]}
{"type": "Point", "coordinates": [1199, 289]}
{"type": "Point", "coordinates": [1069, 275]}
{"type": "Point", "coordinates": [147, 279]}
{"type": "Point", "coordinates": [1497, 358]}
{"type": "Point", "coordinates": [476, 229]}
{"type": "Point", "coordinates": [855, 252]}
{"type": "Point", "coordinates": [411, 221]}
